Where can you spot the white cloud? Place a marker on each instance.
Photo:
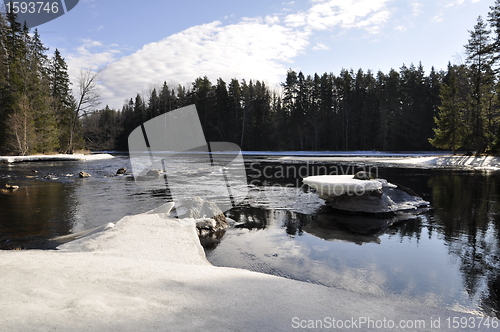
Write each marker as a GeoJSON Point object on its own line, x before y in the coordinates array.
{"type": "Point", "coordinates": [255, 48]}
{"type": "Point", "coordinates": [328, 14]}
{"type": "Point", "coordinates": [91, 54]}
{"type": "Point", "coordinates": [320, 47]}
{"type": "Point", "coordinates": [251, 49]}
{"type": "Point", "coordinates": [416, 8]}
{"type": "Point", "coordinates": [438, 18]}
{"type": "Point", "coordinates": [454, 3]}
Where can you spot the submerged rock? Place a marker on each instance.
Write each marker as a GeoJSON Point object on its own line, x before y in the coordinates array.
{"type": "Point", "coordinates": [84, 175]}
{"type": "Point", "coordinates": [154, 173]}
{"type": "Point", "coordinates": [150, 175]}
{"type": "Point", "coordinates": [365, 194]}
{"type": "Point", "coordinates": [11, 187]}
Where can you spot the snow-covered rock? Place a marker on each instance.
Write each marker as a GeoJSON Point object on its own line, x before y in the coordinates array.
{"type": "Point", "coordinates": [344, 192]}
{"type": "Point", "coordinates": [209, 216]}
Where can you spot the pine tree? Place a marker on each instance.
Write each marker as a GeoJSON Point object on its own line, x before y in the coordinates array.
{"type": "Point", "coordinates": [220, 119]}
{"type": "Point", "coordinates": [344, 101]}
{"type": "Point", "coordinates": [479, 59]}
{"type": "Point", "coordinates": [235, 109]}
{"type": "Point", "coordinates": [45, 117]}
{"type": "Point", "coordinates": [153, 105]}
{"type": "Point", "coordinates": [327, 112]}
{"type": "Point", "coordinates": [494, 20]}
{"type": "Point", "coordinates": [5, 90]}
{"type": "Point", "coordinates": [451, 128]}
{"type": "Point", "coordinates": [62, 102]}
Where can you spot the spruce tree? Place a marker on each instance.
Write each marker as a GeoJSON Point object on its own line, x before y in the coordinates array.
{"type": "Point", "coordinates": [45, 118]}
{"type": "Point", "coordinates": [494, 20]}
{"type": "Point", "coordinates": [451, 130]}
{"type": "Point", "coordinates": [479, 59]}
{"type": "Point", "coordinates": [62, 101]}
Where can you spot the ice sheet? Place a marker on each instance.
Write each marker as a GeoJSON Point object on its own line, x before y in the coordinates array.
{"type": "Point", "coordinates": [149, 273]}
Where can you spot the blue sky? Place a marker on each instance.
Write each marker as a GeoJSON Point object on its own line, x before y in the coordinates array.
{"type": "Point", "coordinates": [138, 45]}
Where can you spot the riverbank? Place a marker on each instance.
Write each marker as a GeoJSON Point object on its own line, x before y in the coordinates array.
{"type": "Point", "coordinates": [482, 162]}
{"type": "Point", "coordinates": [55, 157]}
{"type": "Point", "coordinates": [149, 273]}
{"type": "Point", "coordinates": [420, 161]}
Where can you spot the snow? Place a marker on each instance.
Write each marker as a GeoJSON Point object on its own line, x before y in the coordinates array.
{"type": "Point", "coordinates": [149, 273]}
{"type": "Point", "coordinates": [420, 159]}
{"type": "Point", "coordinates": [487, 162]}
{"type": "Point", "coordinates": [368, 153]}
{"type": "Point", "coordinates": [338, 185]}
{"type": "Point", "coordinates": [55, 157]}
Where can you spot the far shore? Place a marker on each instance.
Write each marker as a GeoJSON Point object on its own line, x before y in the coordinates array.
{"type": "Point", "coordinates": [419, 161]}
{"type": "Point", "coordinates": [55, 157]}
{"type": "Point", "coordinates": [409, 159]}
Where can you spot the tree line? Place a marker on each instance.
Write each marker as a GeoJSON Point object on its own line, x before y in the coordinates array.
{"type": "Point", "coordinates": [351, 111]}
{"type": "Point", "coordinates": [400, 110]}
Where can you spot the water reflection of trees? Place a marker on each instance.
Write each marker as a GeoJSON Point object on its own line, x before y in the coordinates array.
{"type": "Point", "coordinates": [35, 213]}
{"type": "Point", "coordinates": [467, 213]}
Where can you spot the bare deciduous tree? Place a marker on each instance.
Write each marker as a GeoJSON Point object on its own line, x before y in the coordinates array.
{"type": "Point", "coordinates": [21, 127]}
{"type": "Point", "coordinates": [87, 100]}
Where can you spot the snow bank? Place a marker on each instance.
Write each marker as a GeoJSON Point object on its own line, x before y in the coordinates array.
{"type": "Point", "coordinates": [55, 157]}
{"type": "Point", "coordinates": [149, 273]}
{"type": "Point", "coordinates": [417, 160]}
{"type": "Point", "coordinates": [483, 162]}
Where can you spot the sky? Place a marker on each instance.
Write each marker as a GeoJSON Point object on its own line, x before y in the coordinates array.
{"type": "Point", "coordinates": [139, 45]}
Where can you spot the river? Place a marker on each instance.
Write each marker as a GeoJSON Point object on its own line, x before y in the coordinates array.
{"type": "Point", "coordinates": [446, 257]}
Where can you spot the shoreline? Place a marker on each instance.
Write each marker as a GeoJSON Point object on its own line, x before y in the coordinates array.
{"type": "Point", "coordinates": [421, 161]}
{"type": "Point", "coordinates": [149, 272]}
{"type": "Point", "coordinates": [54, 157]}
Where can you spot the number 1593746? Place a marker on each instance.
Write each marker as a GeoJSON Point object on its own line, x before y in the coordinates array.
{"type": "Point", "coordinates": [32, 7]}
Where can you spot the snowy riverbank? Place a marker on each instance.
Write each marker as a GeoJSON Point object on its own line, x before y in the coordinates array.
{"type": "Point", "coordinates": [417, 160]}
{"type": "Point", "coordinates": [482, 162]}
{"type": "Point", "coordinates": [55, 157]}
{"type": "Point", "coordinates": [150, 273]}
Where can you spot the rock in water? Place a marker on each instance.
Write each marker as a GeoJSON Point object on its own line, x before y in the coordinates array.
{"type": "Point", "coordinates": [84, 175]}
{"type": "Point", "coordinates": [347, 193]}
{"type": "Point", "coordinates": [11, 187]}
{"type": "Point", "coordinates": [212, 219]}
{"type": "Point", "coordinates": [122, 170]}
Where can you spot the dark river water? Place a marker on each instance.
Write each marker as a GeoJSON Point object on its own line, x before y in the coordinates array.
{"type": "Point", "coordinates": [446, 257]}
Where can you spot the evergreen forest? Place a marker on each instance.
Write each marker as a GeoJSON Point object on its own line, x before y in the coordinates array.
{"type": "Point", "coordinates": [405, 109]}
